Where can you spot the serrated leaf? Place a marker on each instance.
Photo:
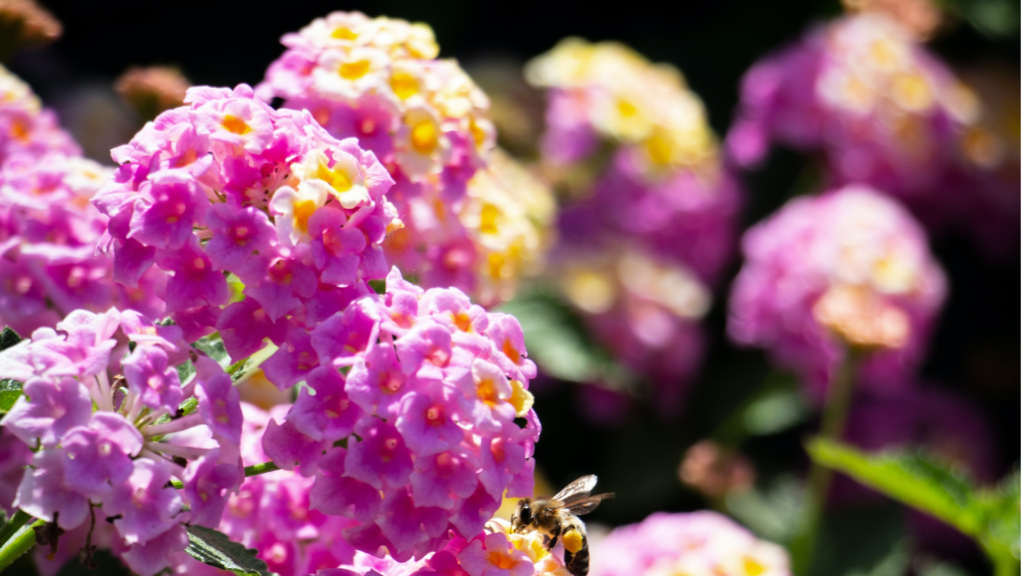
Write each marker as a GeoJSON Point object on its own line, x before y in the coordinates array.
{"type": "Point", "coordinates": [10, 391]}
{"type": "Point", "coordinates": [912, 479]}
{"type": "Point", "coordinates": [8, 338]}
{"type": "Point", "coordinates": [559, 343]}
{"type": "Point", "coordinates": [216, 549]}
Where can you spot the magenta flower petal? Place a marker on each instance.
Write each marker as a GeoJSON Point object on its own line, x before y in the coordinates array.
{"type": "Point", "coordinates": [151, 557]}
{"type": "Point", "coordinates": [149, 375]}
{"type": "Point", "coordinates": [407, 525]}
{"type": "Point", "coordinates": [244, 325]}
{"type": "Point", "coordinates": [336, 494]}
{"type": "Point", "coordinates": [56, 406]}
{"type": "Point", "coordinates": [44, 494]}
{"type": "Point", "coordinates": [239, 233]}
{"type": "Point", "coordinates": [329, 415]}
{"type": "Point", "coordinates": [293, 361]}
{"type": "Point", "coordinates": [381, 458]}
{"type": "Point", "coordinates": [97, 456]}
{"type": "Point", "coordinates": [195, 282]}
{"type": "Point", "coordinates": [340, 338]}
{"type": "Point", "coordinates": [289, 448]}
{"type": "Point", "coordinates": [207, 482]}
{"type": "Point", "coordinates": [147, 506]}
{"type": "Point", "coordinates": [218, 403]}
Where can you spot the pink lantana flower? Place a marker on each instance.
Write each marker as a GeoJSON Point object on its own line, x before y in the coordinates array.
{"type": "Point", "coordinates": [112, 434]}
{"type": "Point", "coordinates": [226, 185]}
{"type": "Point", "coordinates": [414, 429]}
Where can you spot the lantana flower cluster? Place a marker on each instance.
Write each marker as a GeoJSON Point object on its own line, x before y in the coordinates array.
{"type": "Point", "coordinates": [49, 232]}
{"type": "Point", "coordinates": [378, 80]}
{"type": "Point", "coordinates": [849, 269]}
{"type": "Point", "coordinates": [26, 128]}
{"type": "Point", "coordinates": [632, 145]}
{"type": "Point", "coordinates": [647, 311]}
{"type": "Point", "coordinates": [271, 513]}
{"type": "Point", "coordinates": [493, 551]}
{"type": "Point", "coordinates": [408, 417]}
{"type": "Point", "coordinates": [110, 434]}
{"type": "Point", "coordinates": [885, 112]}
{"type": "Point", "coordinates": [697, 543]}
{"type": "Point", "coordinates": [509, 215]}
{"type": "Point", "coordinates": [228, 185]}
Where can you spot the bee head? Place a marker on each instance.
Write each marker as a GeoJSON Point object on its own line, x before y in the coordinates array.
{"type": "Point", "coordinates": [523, 516]}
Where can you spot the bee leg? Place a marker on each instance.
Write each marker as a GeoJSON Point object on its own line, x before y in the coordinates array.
{"type": "Point", "coordinates": [550, 543]}
{"type": "Point", "coordinates": [577, 553]}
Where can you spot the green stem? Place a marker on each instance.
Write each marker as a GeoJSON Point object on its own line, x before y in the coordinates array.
{"type": "Point", "coordinates": [833, 423]}
{"type": "Point", "coordinates": [17, 537]}
{"type": "Point", "coordinates": [254, 470]}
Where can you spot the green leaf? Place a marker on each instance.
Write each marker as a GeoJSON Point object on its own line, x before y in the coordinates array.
{"type": "Point", "coordinates": [994, 18]}
{"type": "Point", "coordinates": [990, 516]}
{"type": "Point", "coordinates": [558, 341]}
{"type": "Point", "coordinates": [912, 479]}
{"type": "Point", "coordinates": [773, 511]}
{"type": "Point", "coordinates": [213, 347]}
{"type": "Point", "coordinates": [216, 549]}
{"type": "Point", "coordinates": [10, 391]}
{"type": "Point", "coordinates": [8, 338]}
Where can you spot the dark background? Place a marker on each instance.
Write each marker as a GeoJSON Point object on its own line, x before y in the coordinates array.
{"type": "Point", "coordinates": [976, 350]}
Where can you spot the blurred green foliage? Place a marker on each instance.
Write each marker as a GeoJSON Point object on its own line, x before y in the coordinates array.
{"type": "Point", "coordinates": [989, 515]}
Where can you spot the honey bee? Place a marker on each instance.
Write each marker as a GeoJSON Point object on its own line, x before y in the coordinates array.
{"type": "Point", "coordinates": [559, 516]}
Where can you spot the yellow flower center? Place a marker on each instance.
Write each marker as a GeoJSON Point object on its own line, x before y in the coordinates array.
{"type": "Point", "coordinates": [342, 33]}
{"type": "Point", "coordinates": [424, 137]}
{"type": "Point", "coordinates": [487, 392]}
{"type": "Point", "coordinates": [521, 400]}
{"type": "Point", "coordinates": [354, 70]}
{"type": "Point", "coordinates": [489, 219]}
{"type": "Point", "coordinates": [659, 148]}
{"type": "Point", "coordinates": [501, 560]}
{"type": "Point", "coordinates": [19, 130]}
{"type": "Point", "coordinates": [752, 567]}
{"type": "Point", "coordinates": [303, 210]}
{"type": "Point", "coordinates": [404, 85]}
{"type": "Point", "coordinates": [337, 178]}
{"type": "Point", "coordinates": [235, 125]}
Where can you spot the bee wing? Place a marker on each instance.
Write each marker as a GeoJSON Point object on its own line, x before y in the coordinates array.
{"type": "Point", "coordinates": [585, 504]}
{"type": "Point", "coordinates": [580, 486]}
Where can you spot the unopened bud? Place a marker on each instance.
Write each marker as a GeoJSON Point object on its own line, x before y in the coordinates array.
{"type": "Point", "coordinates": [862, 318]}
{"type": "Point", "coordinates": [920, 17]}
{"type": "Point", "coordinates": [714, 472]}
{"type": "Point", "coordinates": [152, 90]}
{"type": "Point", "coordinates": [25, 24]}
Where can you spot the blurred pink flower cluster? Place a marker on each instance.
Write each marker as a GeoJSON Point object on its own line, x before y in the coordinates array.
{"type": "Point", "coordinates": [848, 268]}
{"type": "Point", "coordinates": [378, 80]}
{"type": "Point", "coordinates": [887, 113]}
{"type": "Point", "coordinates": [26, 128]}
{"type": "Point", "coordinates": [697, 543]}
{"type": "Point", "coordinates": [408, 416]}
{"type": "Point", "coordinates": [651, 213]}
{"type": "Point", "coordinates": [227, 184]}
{"type": "Point", "coordinates": [48, 228]}
{"type": "Point", "coordinates": [106, 431]}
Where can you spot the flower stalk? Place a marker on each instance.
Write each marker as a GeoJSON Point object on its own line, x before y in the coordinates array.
{"type": "Point", "coordinates": [819, 480]}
